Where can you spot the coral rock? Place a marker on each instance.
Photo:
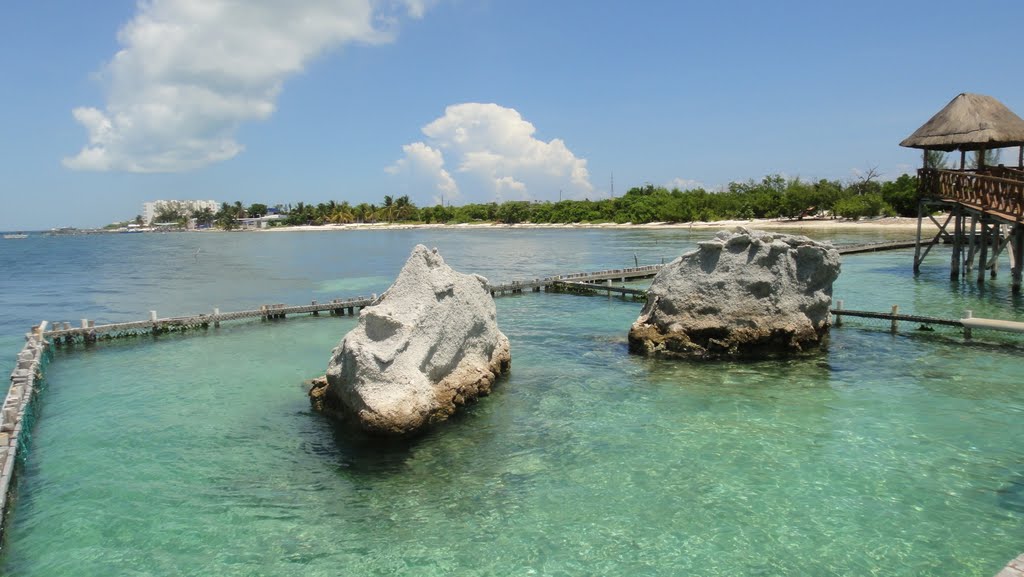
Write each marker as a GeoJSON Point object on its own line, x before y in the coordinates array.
{"type": "Point", "coordinates": [745, 294]}
{"type": "Point", "coordinates": [429, 344]}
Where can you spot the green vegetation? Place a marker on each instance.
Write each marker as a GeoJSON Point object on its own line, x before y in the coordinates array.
{"type": "Point", "coordinates": [773, 197]}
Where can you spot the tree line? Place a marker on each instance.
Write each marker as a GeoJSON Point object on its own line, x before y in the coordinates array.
{"type": "Point", "coordinates": [773, 196]}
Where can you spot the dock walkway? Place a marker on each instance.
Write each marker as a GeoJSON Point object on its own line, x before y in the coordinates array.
{"type": "Point", "coordinates": [984, 218]}
{"type": "Point", "coordinates": [583, 282]}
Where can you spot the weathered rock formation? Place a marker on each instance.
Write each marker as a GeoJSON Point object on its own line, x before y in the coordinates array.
{"type": "Point", "coordinates": [745, 294]}
{"type": "Point", "coordinates": [428, 345]}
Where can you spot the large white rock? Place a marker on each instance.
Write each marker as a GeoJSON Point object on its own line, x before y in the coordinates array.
{"type": "Point", "coordinates": [744, 294]}
{"type": "Point", "coordinates": [428, 345]}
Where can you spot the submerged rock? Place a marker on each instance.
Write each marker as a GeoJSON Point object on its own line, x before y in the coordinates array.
{"type": "Point", "coordinates": [744, 294]}
{"type": "Point", "coordinates": [429, 344]}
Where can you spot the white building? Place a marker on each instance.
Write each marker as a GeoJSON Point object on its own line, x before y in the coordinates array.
{"type": "Point", "coordinates": [188, 207]}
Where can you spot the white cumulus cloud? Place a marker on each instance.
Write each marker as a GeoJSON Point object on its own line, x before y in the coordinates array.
{"type": "Point", "coordinates": [494, 155]}
{"type": "Point", "coordinates": [190, 72]}
{"type": "Point", "coordinates": [425, 166]}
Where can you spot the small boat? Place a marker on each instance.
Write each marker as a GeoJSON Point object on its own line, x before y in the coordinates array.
{"type": "Point", "coordinates": [16, 235]}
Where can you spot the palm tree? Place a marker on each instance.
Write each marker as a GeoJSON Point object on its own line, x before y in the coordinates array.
{"type": "Point", "coordinates": [342, 214]}
{"type": "Point", "coordinates": [990, 158]}
{"type": "Point", "coordinates": [404, 210]}
{"type": "Point", "coordinates": [388, 209]}
{"type": "Point", "coordinates": [935, 159]}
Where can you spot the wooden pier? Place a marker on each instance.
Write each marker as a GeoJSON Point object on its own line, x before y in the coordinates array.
{"type": "Point", "coordinates": [984, 218]}
{"type": "Point", "coordinates": [875, 246]}
{"type": "Point", "coordinates": [968, 322]}
{"type": "Point", "coordinates": [547, 283]}
{"type": "Point", "coordinates": [578, 283]}
{"type": "Point", "coordinates": [983, 204]}
{"type": "Point", "coordinates": [17, 413]}
{"type": "Point", "coordinates": [88, 331]}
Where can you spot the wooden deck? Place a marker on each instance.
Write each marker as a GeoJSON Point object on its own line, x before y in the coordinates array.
{"type": "Point", "coordinates": [984, 219]}
{"type": "Point", "coordinates": [997, 192]}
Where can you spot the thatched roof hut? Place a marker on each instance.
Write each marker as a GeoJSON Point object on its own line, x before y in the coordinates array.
{"type": "Point", "coordinates": [969, 122]}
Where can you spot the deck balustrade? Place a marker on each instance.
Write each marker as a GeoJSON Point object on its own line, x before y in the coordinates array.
{"type": "Point", "coordinates": [1001, 196]}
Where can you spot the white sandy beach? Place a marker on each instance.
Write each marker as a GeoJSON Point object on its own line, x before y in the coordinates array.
{"type": "Point", "coordinates": [883, 223]}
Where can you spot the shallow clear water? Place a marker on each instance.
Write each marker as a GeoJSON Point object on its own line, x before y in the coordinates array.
{"type": "Point", "coordinates": [197, 454]}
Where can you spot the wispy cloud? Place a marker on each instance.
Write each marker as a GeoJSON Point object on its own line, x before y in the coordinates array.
{"type": "Point", "coordinates": [684, 183]}
{"type": "Point", "coordinates": [190, 72]}
{"type": "Point", "coordinates": [494, 155]}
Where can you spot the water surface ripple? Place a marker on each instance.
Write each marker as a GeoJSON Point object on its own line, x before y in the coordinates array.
{"type": "Point", "coordinates": [198, 455]}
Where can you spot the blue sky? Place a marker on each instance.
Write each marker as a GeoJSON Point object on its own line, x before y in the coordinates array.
{"type": "Point", "coordinates": [109, 104]}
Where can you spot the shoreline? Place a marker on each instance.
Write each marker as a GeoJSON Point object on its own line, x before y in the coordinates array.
{"type": "Point", "coordinates": [884, 223]}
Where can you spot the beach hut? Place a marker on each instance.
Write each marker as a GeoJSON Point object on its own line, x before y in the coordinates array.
{"type": "Point", "coordinates": [970, 122]}
{"type": "Point", "coordinates": [984, 205]}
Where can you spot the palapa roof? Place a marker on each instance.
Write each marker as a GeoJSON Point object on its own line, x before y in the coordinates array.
{"type": "Point", "coordinates": [969, 122]}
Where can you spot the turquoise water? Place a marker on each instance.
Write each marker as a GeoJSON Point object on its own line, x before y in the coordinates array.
{"type": "Point", "coordinates": [198, 455]}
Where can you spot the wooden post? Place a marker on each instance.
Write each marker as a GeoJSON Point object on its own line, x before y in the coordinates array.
{"type": "Point", "coordinates": [963, 159]}
{"type": "Point", "coordinates": [969, 261]}
{"type": "Point", "coordinates": [958, 243]}
{"type": "Point", "coordinates": [917, 242]}
{"type": "Point", "coordinates": [216, 317]}
{"type": "Point", "coordinates": [967, 330]}
{"type": "Point", "coordinates": [839, 317]}
{"type": "Point", "coordinates": [983, 254]}
{"type": "Point", "coordinates": [1018, 257]}
{"type": "Point", "coordinates": [894, 326]}
{"type": "Point", "coordinates": [997, 237]}
{"type": "Point", "coordinates": [1020, 158]}
{"type": "Point", "coordinates": [152, 316]}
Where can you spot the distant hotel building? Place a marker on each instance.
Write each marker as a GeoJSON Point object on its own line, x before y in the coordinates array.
{"type": "Point", "coordinates": [189, 207]}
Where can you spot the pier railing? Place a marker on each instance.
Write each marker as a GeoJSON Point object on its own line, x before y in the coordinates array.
{"type": "Point", "coordinates": [88, 331]}
{"type": "Point", "coordinates": [982, 191]}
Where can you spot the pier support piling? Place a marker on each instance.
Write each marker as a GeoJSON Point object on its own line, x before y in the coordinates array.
{"type": "Point", "coordinates": [1017, 257]}
{"type": "Point", "coordinates": [917, 243]}
{"type": "Point", "coordinates": [983, 251]}
{"type": "Point", "coordinates": [958, 243]}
